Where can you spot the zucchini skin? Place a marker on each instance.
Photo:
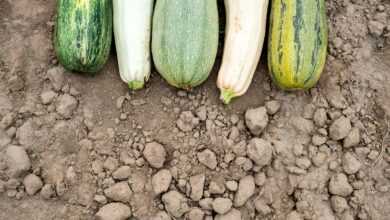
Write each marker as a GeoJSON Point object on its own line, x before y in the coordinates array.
{"type": "Point", "coordinates": [244, 39]}
{"type": "Point", "coordinates": [132, 32]}
{"type": "Point", "coordinates": [83, 34]}
{"type": "Point", "coordinates": [297, 44]}
{"type": "Point", "coordinates": [185, 40]}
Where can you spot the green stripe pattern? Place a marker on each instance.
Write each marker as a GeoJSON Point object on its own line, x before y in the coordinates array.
{"type": "Point", "coordinates": [185, 40]}
{"type": "Point", "coordinates": [83, 34]}
{"type": "Point", "coordinates": [297, 44]}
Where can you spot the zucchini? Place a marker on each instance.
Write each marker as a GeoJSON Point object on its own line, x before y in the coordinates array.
{"type": "Point", "coordinates": [132, 30]}
{"type": "Point", "coordinates": [185, 40]}
{"type": "Point", "coordinates": [297, 43]}
{"type": "Point", "coordinates": [83, 34]}
{"type": "Point", "coordinates": [245, 31]}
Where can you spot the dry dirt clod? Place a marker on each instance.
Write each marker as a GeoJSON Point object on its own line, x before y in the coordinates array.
{"type": "Point", "coordinates": [231, 185]}
{"type": "Point", "coordinates": [32, 184]}
{"type": "Point", "coordinates": [318, 140]}
{"type": "Point", "coordinates": [222, 205]}
{"type": "Point", "coordinates": [56, 76]}
{"type": "Point", "coordinates": [110, 164]}
{"type": "Point", "coordinates": [272, 107]}
{"type": "Point", "coordinates": [161, 215]}
{"type": "Point", "coordinates": [100, 199]}
{"type": "Point", "coordinates": [256, 120]}
{"type": "Point", "coordinates": [302, 125]}
{"type": "Point", "coordinates": [351, 165]}
{"type": "Point", "coordinates": [66, 105]}
{"type": "Point", "coordinates": [352, 139]}
{"type": "Point", "coordinates": [294, 216]}
{"type": "Point", "coordinates": [206, 203]}
{"type": "Point", "coordinates": [260, 151]}
{"type": "Point", "coordinates": [197, 185]}
{"type": "Point", "coordinates": [195, 214]}
{"type": "Point", "coordinates": [233, 214]}
{"type": "Point", "coordinates": [187, 121]}
{"type": "Point", "coordinates": [122, 173]}
{"type": "Point", "coordinates": [201, 112]}
{"type": "Point", "coordinates": [339, 185]}
{"type": "Point", "coordinates": [161, 181]}
{"type": "Point", "coordinates": [217, 187]}
{"type": "Point", "coordinates": [320, 117]}
{"type": "Point", "coordinates": [119, 192]}
{"type": "Point", "coordinates": [340, 128]}
{"type": "Point", "coordinates": [175, 203]}
{"type": "Point", "coordinates": [246, 188]}
{"type": "Point", "coordinates": [113, 211]}
{"type": "Point", "coordinates": [339, 204]}
{"type": "Point", "coordinates": [47, 191]}
{"type": "Point", "coordinates": [17, 161]}
{"type": "Point", "coordinates": [155, 154]}
{"type": "Point", "coordinates": [208, 159]}
{"type": "Point", "coordinates": [262, 207]}
{"type": "Point", "coordinates": [47, 97]}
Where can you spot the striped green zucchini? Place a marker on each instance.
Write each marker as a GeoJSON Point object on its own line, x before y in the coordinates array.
{"type": "Point", "coordinates": [185, 40]}
{"type": "Point", "coordinates": [83, 34]}
{"type": "Point", "coordinates": [297, 44]}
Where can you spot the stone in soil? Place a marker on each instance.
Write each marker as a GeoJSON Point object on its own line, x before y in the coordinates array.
{"type": "Point", "coordinates": [339, 185]}
{"type": "Point", "coordinates": [17, 161]}
{"type": "Point", "coordinates": [231, 185]}
{"type": "Point", "coordinates": [113, 211]}
{"type": "Point", "coordinates": [318, 140]}
{"type": "Point", "coordinates": [119, 192]}
{"type": "Point", "coordinates": [195, 214]}
{"type": "Point", "coordinates": [161, 215]}
{"type": "Point", "coordinates": [122, 173]}
{"type": "Point", "coordinates": [206, 203]}
{"type": "Point", "coordinates": [302, 125]}
{"type": "Point", "coordinates": [47, 97]}
{"type": "Point", "coordinates": [175, 203]}
{"type": "Point", "coordinates": [100, 199]}
{"type": "Point", "coordinates": [161, 181]}
{"type": "Point", "coordinates": [32, 184]}
{"type": "Point", "coordinates": [155, 154]}
{"type": "Point", "coordinates": [4, 139]}
{"type": "Point", "coordinates": [208, 159]}
{"type": "Point", "coordinates": [260, 151]}
{"type": "Point", "coordinates": [256, 120]}
{"type": "Point", "coordinates": [340, 128]}
{"type": "Point", "coordinates": [222, 205]}
{"type": "Point", "coordinates": [47, 191]}
{"type": "Point", "coordinates": [351, 165]}
{"type": "Point", "coordinates": [262, 207]}
{"type": "Point", "coordinates": [294, 216]}
{"type": "Point", "coordinates": [353, 138]}
{"type": "Point", "coordinates": [339, 204]}
{"type": "Point", "coordinates": [246, 188]}
{"type": "Point", "coordinates": [197, 185]}
{"type": "Point", "coordinates": [272, 107]}
{"type": "Point", "coordinates": [66, 105]}
{"type": "Point", "coordinates": [110, 164]}
{"type": "Point", "coordinates": [233, 214]}
{"type": "Point", "coordinates": [320, 117]}
{"type": "Point", "coordinates": [217, 186]}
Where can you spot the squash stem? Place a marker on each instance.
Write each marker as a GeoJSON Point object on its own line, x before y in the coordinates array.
{"type": "Point", "coordinates": [135, 85]}
{"type": "Point", "coordinates": [227, 95]}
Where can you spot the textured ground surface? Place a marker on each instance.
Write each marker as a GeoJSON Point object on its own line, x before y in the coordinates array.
{"type": "Point", "coordinates": [78, 147]}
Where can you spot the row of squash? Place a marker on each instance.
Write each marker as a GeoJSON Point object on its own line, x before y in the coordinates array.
{"type": "Point", "coordinates": [184, 40]}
